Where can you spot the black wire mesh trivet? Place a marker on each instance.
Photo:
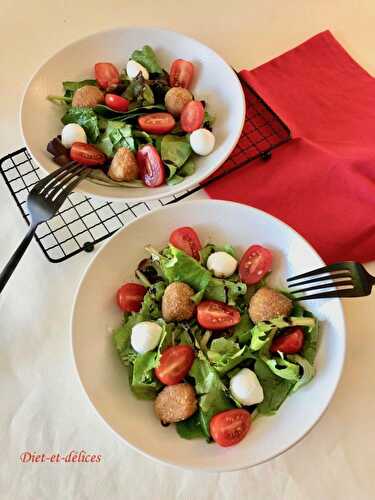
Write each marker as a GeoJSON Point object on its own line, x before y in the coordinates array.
{"type": "Point", "coordinates": [83, 221]}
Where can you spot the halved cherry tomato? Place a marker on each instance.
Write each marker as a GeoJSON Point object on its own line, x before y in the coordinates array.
{"type": "Point", "coordinates": [215, 315]}
{"type": "Point", "coordinates": [254, 264]}
{"type": "Point", "coordinates": [151, 168]}
{"type": "Point", "coordinates": [175, 364]}
{"type": "Point", "coordinates": [230, 427]}
{"type": "Point", "coordinates": [186, 239]}
{"type": "Point", "coordinates": [107, 75]}
{"type": "Point", "coordinates": [192, 116]}
{"type": "Point", "coordinates": [130, 297]}
{"type": "Point", "coordinates": [87, 154]}
{"type": "Point", "coordinates": [116, 102]}
{"type": "Point", "coordinates": [157, 123]}
{"type": "Point", "coordinates": [181, 73]}
{"type": "Point", "coordinates": [289, 342]}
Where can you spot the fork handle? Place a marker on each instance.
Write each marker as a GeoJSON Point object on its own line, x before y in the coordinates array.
{"type": "Point", "coordinates": [16, 257]}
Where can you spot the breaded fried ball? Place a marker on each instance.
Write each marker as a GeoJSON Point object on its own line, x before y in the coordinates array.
{"type": "Point", "coordinates": [176, 303]}
{"type": "Point", "coordinates": [175, 403]}
{"type": "Point", "coordinates": [87, 96]}
{"type": "Point", "coordinates": [267, 304]}
{"type": "Point", "coordinates": [124, 166]}
{"type": "Point", "coordinates": [175, 100]}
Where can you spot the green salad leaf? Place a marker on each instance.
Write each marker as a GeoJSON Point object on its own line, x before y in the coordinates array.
{"type": "Point", "coordinates": [146, 56]}
{"type": "Point", "coordinates": [225, 354]}
{"type": "Point", "coordinates": [116, 135]}
{"type": "Point", "coordinates": [191, 428]}
{"type": "Point", "coordinates": [215, 290]}
{"type": "Point", "coordinates": [143, 383]}
{"type": "Point", "coordinates": [234, 291]}
{"type": "Point", "coordinates": [106, 112]}
{"type": "Point", "coordinates": [242, 331]}
{"type": "Point", "coordinates": [121, 338]}
{"type": "Point", "coordinates": [178, 266]}
{"type": "Point", "coordinates": [211, 390]}
{"type": "Point", "coordinates": [175, 150]}
{"type": "Point", "coordinates": [308, 370]}
{"type": "Point", "coordinates": [275, 389]}
{"type": "Point", "coordinates": [139, 92]}
{"type": "Point", "coordinates": [71, 87]}
{"type": "Point", "coordinates": [208, 120]}
{"type": "Point", "coordinates": [311, 340]}
{"type": "Point", "coordinates": [151, 305]}
{"type": "Point", "coordinates": [282, 368]}
{"type": "Point", "coordinates": [85, 117]}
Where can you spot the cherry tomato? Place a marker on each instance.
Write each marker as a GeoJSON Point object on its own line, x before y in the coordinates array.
{"type": "Point", "coordinates": [230, 427]}
{"type": "Point", "coordinates": [181, 73]}
{"type": "Point", "coordinates": [107, 75]}
{"type": "Point", "coordinates": [215, 315]}
{"type": "Point", "coordinates": [289, 342]}
{"type": "Point", "coordinates": [186, 239]}
{"type": "Point", "coordinates": [151, 167]}
{"type": "Point", "coordinates": [130, 297]}
{"type": "Point", "coordinates": [157, 123]}
{"type": "Point", "coordinates": [116, 102]}
{"type": "Point", "coordinates": [87, 154]}
{"type": "Point", "coordinates": [175, 364]}
{"type": "Point", "coordinates": [192, 116]}
{"type": "Point", "coordinates": [254, 264]}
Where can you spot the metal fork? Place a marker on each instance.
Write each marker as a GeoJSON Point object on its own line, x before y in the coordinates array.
{"type": "Point", "coordinates": [348, 279]}
{"type": "Point", "coordinates": [43, 201]}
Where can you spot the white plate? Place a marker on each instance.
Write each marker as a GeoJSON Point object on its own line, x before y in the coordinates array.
{"type": "Point", "coordinates": [215, 82]}
{"type": "Point", "coordinates": [104, 378]}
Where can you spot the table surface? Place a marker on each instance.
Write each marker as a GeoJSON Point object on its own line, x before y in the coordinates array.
{"type": "Point", "coordinates": [42, 405]}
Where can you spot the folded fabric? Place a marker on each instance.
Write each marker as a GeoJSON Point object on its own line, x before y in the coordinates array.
{"type": "Point", "coordinates": [322, 182]}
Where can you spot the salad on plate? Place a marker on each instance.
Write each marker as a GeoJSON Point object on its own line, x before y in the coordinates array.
{"type": "Point", "coordinates": [208, 340]}
{"type": "Point", "coordinates": [139, 127]}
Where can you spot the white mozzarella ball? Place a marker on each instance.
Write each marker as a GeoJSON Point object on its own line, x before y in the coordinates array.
{"type": "Point", "coordinates": [145, 336]}
{"type": "Point", "coordinates": [133, 68]}
{"type": "Point", "coordinates": [202, 141]}
{"type": "Point", "coordinates": [245, 387]}
{"type": "Point", "coordinates": [221, 264]}
{"type": "Point", "coordinates": [71, 133]}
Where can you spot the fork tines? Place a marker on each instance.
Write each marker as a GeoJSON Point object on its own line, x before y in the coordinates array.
{"type": "Point", "coordinates": [334, 281]}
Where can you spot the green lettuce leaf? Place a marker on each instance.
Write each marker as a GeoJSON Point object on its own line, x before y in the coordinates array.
{"type": "Point", "coordinates": [139, 93]}
{"type": "Point", "coordinates": [85, 117]}
{"type": "Point", "coordinates": [308, 370]}
{"type": "Point", "coordinates": [175, 150]}
{"type": "Point", "coordinates": [121, 338]}
{"type": "Point", "coordinates": [190, 428]}
{"type": "Point", "coordinates": [311, 340]}
{"type": "Point", "coordinates": [216, 290]}
{"type": "Point", "coordinates": [151, 305]}
{"type": "Point", "coordinates": [213, 398]}
{"type": "Point", "coordinates": [106, 112]}
{"type": "Point", "coordinates": [234, 291]}
{"type": "Point", "coordinates": [275, 389]}
{"type": "Point", "coordinates": [178, 266]}
{"type": "Point", "coordinates": [242, 331]}
{"type": "Point", "coordinates": [143, 383]}
{"type": "Point", "coordinates": [225, 354]}
{"type": "Point", "coordinates": [146, 56]}
{"type": "Point", "coordinates": [116, 135]}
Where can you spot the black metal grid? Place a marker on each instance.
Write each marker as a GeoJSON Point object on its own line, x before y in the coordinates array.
{"type": "Point", "coordinates": [83, 221]}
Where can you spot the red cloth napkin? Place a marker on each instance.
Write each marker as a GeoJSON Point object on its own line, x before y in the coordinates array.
{"type": "Point", "coordinates": [322, 182]}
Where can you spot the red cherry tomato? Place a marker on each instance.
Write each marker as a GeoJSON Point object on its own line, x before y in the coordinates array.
{"type": "Point", "coordinates": [254, 264]}
{"type": "Point", "coordinates": [289, 342]}
{"type": "Point", "coordinates": [151, 167]}
{"type": "Point", "coordinates": [230, 427]}
{"type": "Point", "coordinates": [215, 315]}
{"type": "Point", "coordinates": [175, 363]}
{"type": "Point", "coordinates": [192, 116]}
{"type": "Point", "coordinates": [157, 123]}
{"type": "Point", "coordinates": [87, 154]}
{"type": "Point", "coordinates": [116, 102]}
{"type": "Point", "coordinates": [130, 297]}
{"type": "Point", "coordinates": [186, 239]}
{"type": "Point", "coordinates": [107, 75]}
{"type": "Point", "coordinates": [181, 73]}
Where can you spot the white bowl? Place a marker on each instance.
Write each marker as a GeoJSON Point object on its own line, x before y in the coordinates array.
{"type": "Point", "coordinates": [215, 82]}
{"type": "Point", "coordinates": [105, 380]}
